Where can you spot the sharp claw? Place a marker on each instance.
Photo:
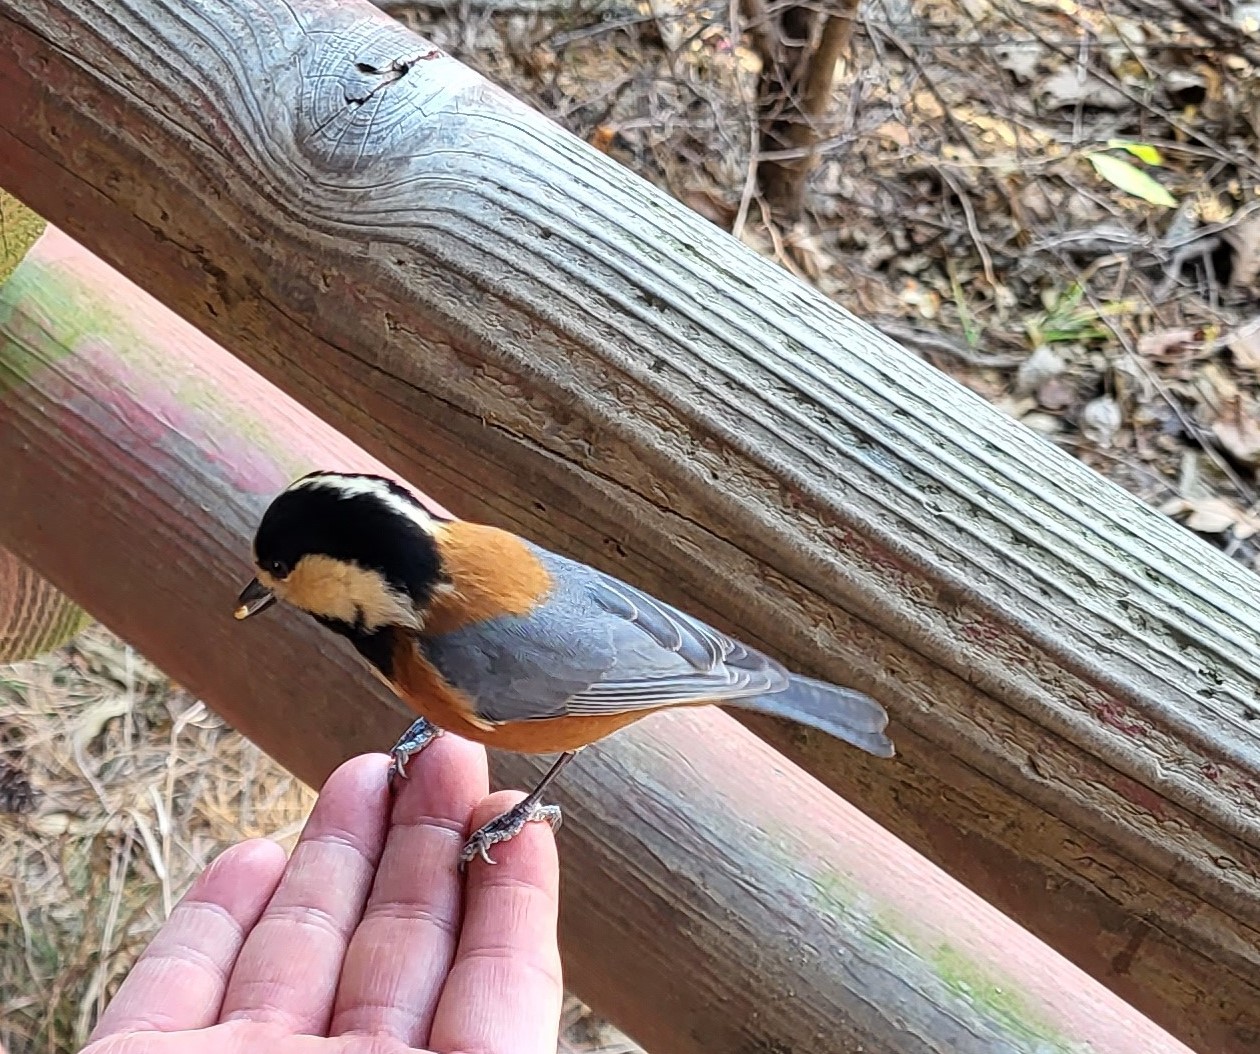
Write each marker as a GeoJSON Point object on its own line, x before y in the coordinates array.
{"type": "Point", "coordinates": [410, 743]}
{"type": "Point", "coordinates": [504, 828]}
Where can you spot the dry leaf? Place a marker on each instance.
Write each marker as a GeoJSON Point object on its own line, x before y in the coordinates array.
{"type": "Point", "coordinates": [1066, 88]}
{"type": "Point", "coordinates": [894, 131]}
{"type": "Point", "coordinates": [709, 205]}
{"type": "Point", "coordinates": [1238, 431]}
{"type": "Point", "coordinates": [92, 719]}
{"type": "Point", "coordinates": [1043, 424]}
{"type": "Point", "coordinates": [1157, 345]}
{"type": "Point", "coordinates": [1043, 364]}
{"type": "Point", "coordinates": [1014, 406]}
{"type": "Point", "coordinates": [1056, 394]}
{"type": "Point", "coordinates": [928, 105]}
{"type": "Point", "coordinates": [1212, 516]}
{"type": "Point", "coordinates": [1001, 129]}
{"type": "Point", "coordinates": [1174, 507]}
{"type": "Point", "coordinates": [808, 253]}
{"type": "Point", "coordinates": [1244, 345]}
{"type": "Point", "coordinates": [1246, 527]}
{"type": "Point", "coordinates": [1037, 200]}
{"type": "Point", "coordinates": [1247, 17]}
{"type": "Point", "coordinates": [1244, 239]}
{"type": "Point", "coordinates": [915, 294]}
{"type": "Point", "coordinates": [1020, 60]}
{"type": "Point", "coordinates": [1215, 387]}
{"type": "Point", "coordinates": [602, 137]}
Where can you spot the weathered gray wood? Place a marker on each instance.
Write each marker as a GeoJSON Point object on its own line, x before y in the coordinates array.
{"type": "Point", "coordinates": [544, 341]}
{"type": "Point", "coordinates": [715, 898]}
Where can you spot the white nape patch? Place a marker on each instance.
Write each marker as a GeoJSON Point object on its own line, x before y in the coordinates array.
{"type": "Point", "coordinates": [358, 486]}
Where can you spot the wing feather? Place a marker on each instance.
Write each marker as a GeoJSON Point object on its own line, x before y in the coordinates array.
{"type": "Point", "coordinates": [692, 661]}
{"type": "Point", "coordinates": [597, 646]}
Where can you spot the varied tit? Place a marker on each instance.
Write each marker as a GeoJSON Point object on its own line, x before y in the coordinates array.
{"type": "Point", "coordinates": [488, 636]}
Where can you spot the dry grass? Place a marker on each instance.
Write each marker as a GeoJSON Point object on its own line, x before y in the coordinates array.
{"type": "Point", "coordinates": [135, 786]}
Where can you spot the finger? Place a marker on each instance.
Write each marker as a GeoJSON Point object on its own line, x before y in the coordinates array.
{"type": "Point", "coordinates": [400, 953]}
{"type": "Point", "coordinates": [504, 993]}
{"type": "Point", "coordinates": [179, 981]}
{"type": "Point", "coordinates": [287, 972]}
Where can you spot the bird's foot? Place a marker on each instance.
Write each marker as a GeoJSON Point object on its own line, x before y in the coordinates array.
{"type": "Point", "coordinates": [507, 826]}
{"type": "Point", "coordinates": [421, 733]}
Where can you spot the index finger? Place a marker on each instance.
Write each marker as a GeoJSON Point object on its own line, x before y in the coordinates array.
{"type": "Point", "coordinates": [504, 993]}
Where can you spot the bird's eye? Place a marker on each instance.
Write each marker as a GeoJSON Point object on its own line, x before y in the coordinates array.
{"type": "Point", "coordinates": [275, 568]}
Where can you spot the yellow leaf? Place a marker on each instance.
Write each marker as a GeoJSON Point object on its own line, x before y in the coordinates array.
{"type": "Point", "coordinates": [1142, 151]}
{"type": "Point", "coordinates": [927, 104]}
{"type": "Point", "coordinates": [1131, 180]}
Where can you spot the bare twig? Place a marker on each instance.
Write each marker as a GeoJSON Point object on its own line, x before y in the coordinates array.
{"type": "Point", "coordinates": [799, 48]}
{"type": "Point", "coordinates": [1216, 27]}
{"type": "Point", "coordinates": [1188, 424]}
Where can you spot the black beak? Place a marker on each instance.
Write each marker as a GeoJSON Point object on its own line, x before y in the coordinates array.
{"type": "Point", "coordinates": [254, 598]}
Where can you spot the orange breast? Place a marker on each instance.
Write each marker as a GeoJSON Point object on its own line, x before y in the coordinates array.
{"type": "Point", "coordinates": [426, 692]}
{"type": "Point", "coordinates": [492, 573]}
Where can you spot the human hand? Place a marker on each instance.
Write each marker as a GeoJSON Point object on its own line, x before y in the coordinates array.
{"type": "Point", "coordinates": [368, 941]}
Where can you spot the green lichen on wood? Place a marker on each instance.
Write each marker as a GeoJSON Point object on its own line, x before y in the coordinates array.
{"type": "Point", "coordinates": [835, 893]}
{"type": "Point", "coordinates": [26, 347]}
{"type": "Point", "coordinates": [82, 318]}
{"type": "Point", "coordinates": [883, 929]}
{"type": "Point", "coordinates": [1001, 1004]}
{"type": "Point", "coordinates": [34, 616]}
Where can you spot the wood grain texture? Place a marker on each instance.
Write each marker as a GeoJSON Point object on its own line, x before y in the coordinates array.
{"type": "Point", "coordinates": [543, 341]}
{"type": "Point", "coordinates": [715, 897]}
{"type": "Point", "coordinates": [35, 617]}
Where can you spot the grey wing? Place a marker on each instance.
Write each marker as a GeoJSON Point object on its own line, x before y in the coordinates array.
{"type": "Point", "coordinates": [599, 646]}
{"type": "Point", "coordinates": [666, 656]}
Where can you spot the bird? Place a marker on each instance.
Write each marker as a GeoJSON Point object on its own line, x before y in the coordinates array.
{"type": "Point", "coordinates": [493, 638]}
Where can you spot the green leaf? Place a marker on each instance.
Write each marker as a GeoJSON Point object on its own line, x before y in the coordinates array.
{"type": "Point", "coordinates": [1142, 151]}
{"type": "Point", "coordinates": [1131, 180]}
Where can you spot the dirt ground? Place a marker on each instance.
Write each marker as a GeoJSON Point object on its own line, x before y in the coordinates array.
{"type": "Point", "coordinates": [1057, 203]}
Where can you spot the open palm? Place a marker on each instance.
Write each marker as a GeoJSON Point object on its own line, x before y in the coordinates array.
{"type": "Point", "coordinates": [368, 940]}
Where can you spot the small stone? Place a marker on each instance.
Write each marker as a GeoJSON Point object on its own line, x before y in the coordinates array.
{"type": "Point", "coordinates": [1056, 394]}
{"type": "Point", "coordinates": [1101, 420]}
{"type": "Point", "coordinates": [1043, 364]}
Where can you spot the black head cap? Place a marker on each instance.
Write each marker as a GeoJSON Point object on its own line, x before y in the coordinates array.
{"type": "Point", "coordinates": [369, 521]}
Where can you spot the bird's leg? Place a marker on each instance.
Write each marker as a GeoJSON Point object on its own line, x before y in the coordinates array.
{"type": "Point", "coordinates": [511, 823]}
{"type": "Point", "coordinates": [421, 733]}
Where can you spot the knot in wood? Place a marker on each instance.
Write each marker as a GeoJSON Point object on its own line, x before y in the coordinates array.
{"type": "Point", "coordinates": [368, 98]}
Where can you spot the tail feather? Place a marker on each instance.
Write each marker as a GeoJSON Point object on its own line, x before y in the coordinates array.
{"type": "Point", "coordinates": [840, 712]}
